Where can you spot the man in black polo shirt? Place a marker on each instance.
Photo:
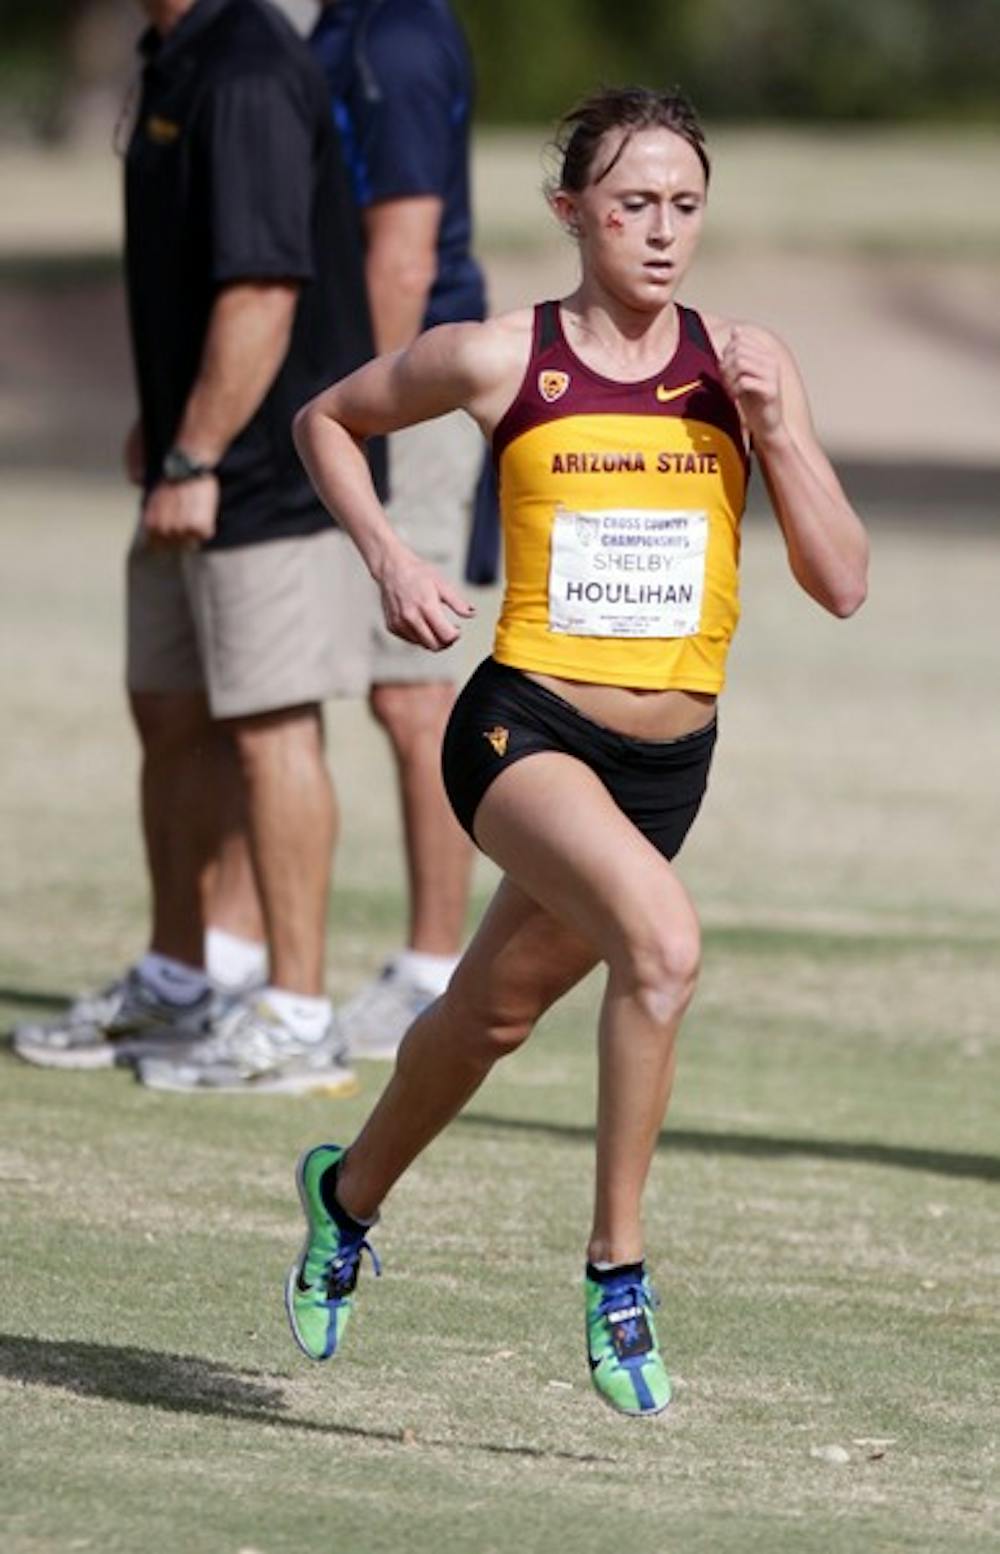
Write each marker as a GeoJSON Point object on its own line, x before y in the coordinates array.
{"type": "Point", "coordinates": [246, 297]}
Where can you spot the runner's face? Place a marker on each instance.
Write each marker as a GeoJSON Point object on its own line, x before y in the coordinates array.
{"type": "Point", "coordinates": [639, 226]}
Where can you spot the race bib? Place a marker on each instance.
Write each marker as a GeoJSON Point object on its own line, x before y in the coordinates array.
{"type": "Point", "coordinates": [626, 572]}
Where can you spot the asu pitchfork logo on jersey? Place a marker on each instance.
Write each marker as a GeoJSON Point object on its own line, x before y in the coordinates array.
{"type": "Point", "coordinates": [552, 385]}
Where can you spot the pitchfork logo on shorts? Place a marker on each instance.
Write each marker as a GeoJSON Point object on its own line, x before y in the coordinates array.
{"type": "Point", "coordinates": [552, 385]}
{"type": "Point", "coordinates": [498, 738]}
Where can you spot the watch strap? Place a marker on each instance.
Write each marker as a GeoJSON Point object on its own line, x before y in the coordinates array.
{"type": "Point", "coordinates": [179, 465]}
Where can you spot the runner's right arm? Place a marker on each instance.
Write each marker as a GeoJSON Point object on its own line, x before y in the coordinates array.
{"type": "Point", "coordinates": [468, 367]}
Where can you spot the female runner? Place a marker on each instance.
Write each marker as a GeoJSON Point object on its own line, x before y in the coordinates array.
{"type": "Point", "coordinates": [578, 753]}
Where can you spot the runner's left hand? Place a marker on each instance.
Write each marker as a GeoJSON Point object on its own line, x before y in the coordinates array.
{"type": "Point", "coordinates": [751, 372]}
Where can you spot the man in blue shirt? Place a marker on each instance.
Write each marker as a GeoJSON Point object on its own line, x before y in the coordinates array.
{"type": "Point", "coordinates": [401, 86]}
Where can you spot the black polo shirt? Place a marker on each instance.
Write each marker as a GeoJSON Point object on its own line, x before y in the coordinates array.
{"type": "Point", "coordinates": [234, 173]}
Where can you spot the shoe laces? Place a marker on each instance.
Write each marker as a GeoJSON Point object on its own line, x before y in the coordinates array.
{"type": "Point", "coordinates": [96, 1008]}
{"type": "Point", "coordinates": [339, 1273]}
{"type": "Point", "coordinates": [626, 1292]}
{"type": "Point", "coordinates": [629, 1334]}
{"type": "Point", "coordinates": [249, 1034]}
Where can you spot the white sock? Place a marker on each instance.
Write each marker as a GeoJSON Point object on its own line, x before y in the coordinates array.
{"type": "Point", "coordinates": [171, 979]}
{"type": "Point", "coordinates": [309, 1018]}
{"type": "Point", "coordinates": [232, 962]}
{"type": "Point", "coordinates": [432, 972]}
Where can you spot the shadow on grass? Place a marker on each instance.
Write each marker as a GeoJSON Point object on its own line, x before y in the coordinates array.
{"type": "Point", "coordinates": [189, 1384]}
{"type": "Point", "coordinates": [33, 998]}
{"type": "Point", "coordinates": [939, 1162]}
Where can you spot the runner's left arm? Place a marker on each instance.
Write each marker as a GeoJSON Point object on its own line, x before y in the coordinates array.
{"type": "Point", "coordinates": [826, 541]}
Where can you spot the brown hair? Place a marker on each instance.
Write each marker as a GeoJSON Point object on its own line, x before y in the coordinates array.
{"type": "Point", "coordinates": [628, 108]}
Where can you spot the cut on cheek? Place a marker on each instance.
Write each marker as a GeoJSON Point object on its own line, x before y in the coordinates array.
{"type": "Point", "coordinates": [614, 221]}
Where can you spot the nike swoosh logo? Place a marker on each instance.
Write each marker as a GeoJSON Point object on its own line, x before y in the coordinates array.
{"type": "Point", "coordinates": [665, 395]}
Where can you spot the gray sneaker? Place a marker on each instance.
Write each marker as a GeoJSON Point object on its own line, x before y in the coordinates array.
{"type": "Point", "coordinates": [32, 1039]}
{"type": "Point", "coordinates": [115, 1025]}
{"type": "Point", "coordinates": [376, 1019]}
{"type": "Point", "coordinates": [253, 1052]}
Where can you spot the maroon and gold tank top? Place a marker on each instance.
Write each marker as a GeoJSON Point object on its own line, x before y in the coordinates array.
{"type": "Point", "coordinates": [621, 507]}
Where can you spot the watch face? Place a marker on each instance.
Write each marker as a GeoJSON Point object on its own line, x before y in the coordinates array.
{"type": "Point", "coordinates": [178, 465]}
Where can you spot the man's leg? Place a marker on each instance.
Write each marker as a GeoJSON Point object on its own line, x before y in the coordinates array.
{"type": "Point", "coordinates": [438, 867]}
{"type": "Point", "coordinates": [235, 936]}
{"type": "Point", "coordinates": [434, 469]}
{"type": "Point", "coordinates": [197, 845]}
{"type": "Point", "coordinates": [167, 992]}
{"type": "Point", "coordinates": [292, 825]}
{"type": "Point", "coordinates": [180, 803]}
{"type": "Point", "coordinates": [283, 1041]}
{"type": "Point", "coordinates": [438, 853]}
{"type": "Point", "coordinates": [231, 902]}
{"type": "Point", "coordinates": [268, 649]}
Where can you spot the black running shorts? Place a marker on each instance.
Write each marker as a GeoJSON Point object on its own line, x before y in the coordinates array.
{"type": "Point", "coordinates": [501, 716]}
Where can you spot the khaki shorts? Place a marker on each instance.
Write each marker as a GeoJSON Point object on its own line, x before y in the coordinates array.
{"type": "Point", "coordinates": [253, 627]}
{"type": "Point", "coordinates": [433, 470]}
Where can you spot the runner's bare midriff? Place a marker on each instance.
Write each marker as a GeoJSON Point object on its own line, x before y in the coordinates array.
{"type": "Point", "coordinates": [641, 714]}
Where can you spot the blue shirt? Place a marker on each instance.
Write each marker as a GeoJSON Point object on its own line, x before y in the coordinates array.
{"type": "Point", "coordinates": [401, 82]}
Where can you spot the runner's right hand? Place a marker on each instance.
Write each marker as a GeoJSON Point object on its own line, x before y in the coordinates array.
{"type": "Point", "coordinates": [415, 602]}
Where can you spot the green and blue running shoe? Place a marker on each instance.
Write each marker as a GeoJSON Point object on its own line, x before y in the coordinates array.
{"type": "Point", "coordinates": [319, 1291]}
{"type": "Point", "coordinates": [626, 1366]}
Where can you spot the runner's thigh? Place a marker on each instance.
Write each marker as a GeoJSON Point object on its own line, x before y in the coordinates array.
{"type": "Point", "coordinates": [552, 826]}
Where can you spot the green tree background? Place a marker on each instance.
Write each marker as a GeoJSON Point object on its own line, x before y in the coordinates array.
{"type": "Point", "coordinates": [744, 59]}
{"type": "Point", "coordinates": [867, 60]}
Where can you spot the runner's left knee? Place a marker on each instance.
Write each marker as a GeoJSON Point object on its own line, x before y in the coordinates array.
{"type": "Point", "coordinates": [660, 968]}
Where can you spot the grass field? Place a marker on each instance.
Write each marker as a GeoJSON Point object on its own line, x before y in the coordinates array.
{"type": "Point", "coordinates": [823, 1213]}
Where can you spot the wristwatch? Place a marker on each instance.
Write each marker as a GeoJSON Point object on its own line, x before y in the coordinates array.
{"type": "Point", "coordinates": [179, 466]}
